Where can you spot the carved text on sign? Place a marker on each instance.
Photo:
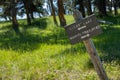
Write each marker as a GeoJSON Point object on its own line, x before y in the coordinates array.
{"type": "Point", "coordinates": [84, 29]}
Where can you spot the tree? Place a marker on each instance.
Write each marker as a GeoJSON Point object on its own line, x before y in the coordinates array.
{"type": "Point", "coordinates": [13, 12]}
{"type": "Point", "coordinates": [109, 4]}
{"type": "Point", "coordinates": [69, 6]}
{"type": "Point", "coordinates": [115, 7]}
{"type": "Point", "coordinates": [101, 4]}
{"type": "Point", "coordinates": [2, 2]}
{"type": "Point", "coordinates": [61, 13]}
{"type": "Point", "coordinates": [88, 6]}
{"type": "Point", "coordinates": [27, 6]}
{"type": "Point", "coordinates": [53, 12]}
{"type": "Point", "coordinates": [6, 12]}
{"type": "Point", "coordinates": [81, 8]}
{"type": "Point", "coordinates": [32, 6]}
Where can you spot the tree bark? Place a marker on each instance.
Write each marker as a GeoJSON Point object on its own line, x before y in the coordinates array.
{"type": "Point", "coordinates": [13, 14]}
{"type": "Point", "coordinates": [101, 4]}
{"type": "Point", "coordinates": [53, 13]}
{"type": "Point", "coordinates": [88, 6]}
{"type": "Point", "coordinates": [26, 5]}
{"type": "Point", "coordinates": [32, 15]}
{"type": "Point", "coordinates": [32, 8]}
{"type": "Point", "coordinates": [115, 7]}
{"type": "Point", "coordinates": [61, 13]}
{"type": "Point", "coordinates": [81, 9]}
{"type": "Point", "coordinates": [28, 16]}
{"type": "Point", "coordinates": [109, 4]}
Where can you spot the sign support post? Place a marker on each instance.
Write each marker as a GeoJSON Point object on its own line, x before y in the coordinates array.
{"type": "Point", "coordinates": [92, 51]}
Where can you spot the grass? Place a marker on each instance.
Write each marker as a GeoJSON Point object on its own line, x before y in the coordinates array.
{"type": "Point", "coordinates": [44, 52]}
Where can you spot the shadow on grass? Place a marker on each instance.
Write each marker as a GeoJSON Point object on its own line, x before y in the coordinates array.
{"type": "Point", "coordinates": [73, 50]}
{"type": "Point", "coordinates": [17, 43]}
{"type": "Point", "coordinates": [108, 44]}
{"type": "Point", "coordinates": [114, 19]}
{"type": "Point", "coordinates": [40, 23]}
{"type": "Point", "coordinates": [29, 41]}
{"type": "Point", "coordinates": [5, 27]}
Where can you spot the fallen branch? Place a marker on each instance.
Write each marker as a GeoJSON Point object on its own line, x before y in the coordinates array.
{"type": "Point", "coordinates": [105, 22]}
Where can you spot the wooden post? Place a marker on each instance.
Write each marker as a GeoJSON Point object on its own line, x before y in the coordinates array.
{"type": "Point", "coordinates": [92, 51]}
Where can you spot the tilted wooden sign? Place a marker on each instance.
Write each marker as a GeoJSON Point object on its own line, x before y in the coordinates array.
{"type": "Point", "coordinates": [83, 29]}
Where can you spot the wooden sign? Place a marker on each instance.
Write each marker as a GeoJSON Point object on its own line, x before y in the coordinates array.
{"type": "Point", "coordinates": [83, 29]}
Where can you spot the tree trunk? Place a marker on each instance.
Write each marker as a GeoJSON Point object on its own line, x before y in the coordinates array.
{"type": "Point", "coordinates": [61, 13]}
{"type": "Point", "coordinates": [32, 9]}
{"type": "Point", "coordinates": [32, 15]}
{"type": "Point", "coordinates": [53, 13]}
{"type": "Point", "coordinates": [81, 9]}
{"type": "Point", "coordinates": [88, 6]}
{"type": "Point", "coordinates": [109, 4]}
{"type": "Point", "coordinates": [14, 19]}
{"type": "Point", "coordinates": [28, 16]}
{"type": "Point", "coordinates": [101, 4]}
{"type": "Point", "coordinates": [26, 5]}
{"type": "Point", "coordinates": [115, 7]}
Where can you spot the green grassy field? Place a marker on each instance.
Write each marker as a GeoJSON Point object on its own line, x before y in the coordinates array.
{"type": "Point", "coordinates": [44, 52]}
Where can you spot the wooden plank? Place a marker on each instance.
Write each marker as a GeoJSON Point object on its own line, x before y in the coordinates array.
{"type": "Point", "coordinates": [92, 51]}
{"type": "Point", "coordinates": [82, 30]}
